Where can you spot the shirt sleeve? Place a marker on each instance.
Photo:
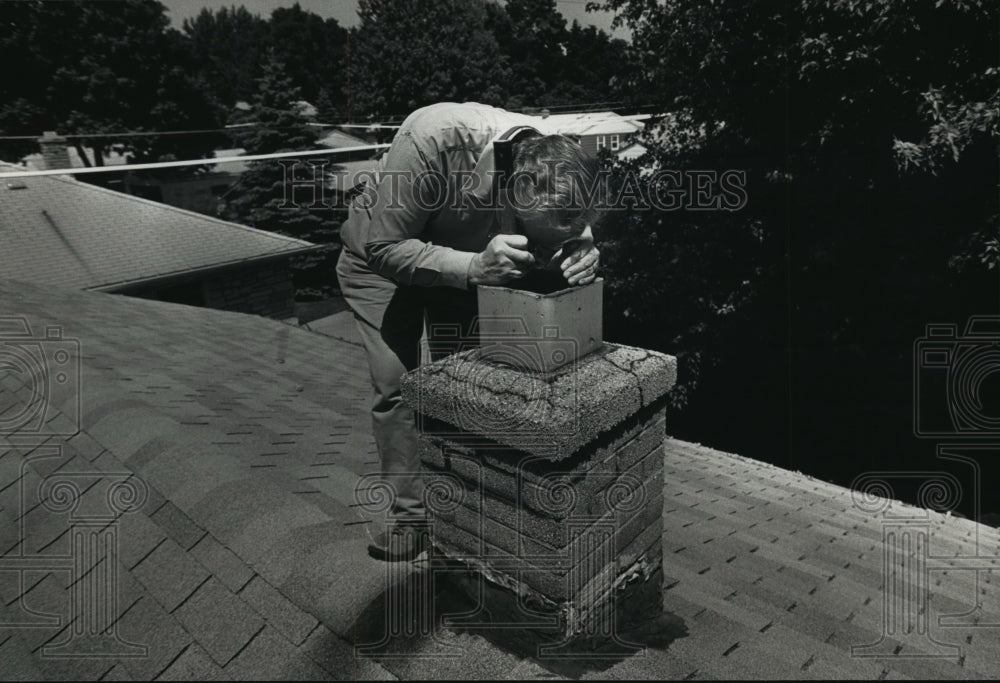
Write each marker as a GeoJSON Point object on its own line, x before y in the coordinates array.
{"type": "Point", "coordinates": [406, 198]}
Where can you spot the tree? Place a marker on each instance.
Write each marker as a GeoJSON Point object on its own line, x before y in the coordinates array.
{"type": "Point", "coordinates": [531, 35]}
{"type": "Point", "coordinates": [87, 67]}
{"type": "Point", "coordinates": [594, 63]}
{"type": "Point", "coordinates": [229, 46]}
{"type": "Point", "coordinates": [278, 127]}
{"type": "Point", "coordinates": [852, 121]}
{"type": "Point", "coordinates": [410, 53]}
{"type": "Point", "coordinates": [263, 198]}
{"type": "Point", "coordinates": [549, 64]}
{"type": "Point", "coordinates": [311, 49]}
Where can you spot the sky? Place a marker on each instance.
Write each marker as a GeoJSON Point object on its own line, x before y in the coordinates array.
{"type": "Point", "coordinates": [345, 11]}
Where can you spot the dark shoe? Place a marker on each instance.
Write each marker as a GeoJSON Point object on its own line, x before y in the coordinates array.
{"type": "Point", "coordinates": [400, 542]}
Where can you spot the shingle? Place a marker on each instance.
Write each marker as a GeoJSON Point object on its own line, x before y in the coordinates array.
{"type": "Point", "coordinates": [450, 655]}
{"type": "Point", "coordinates": [219, 620]}
{"type": "Point", "coordinates": [336, 579]}
{"type": "Point", "coordinates": [137, 537]}
{"type": "Point", "coordinates": [147, 624]}
{"type": "Point", "coordinates": [282, 615]}
{"type": "Point", "coordinates": [16, 660]}
{"type": "Point", "coordinates": [933, 668]}
{"type": "Point", "coordinates": [653, 664]}
{"type": "Point", "coordinates": [118, 672]}
{"type": "Point", "coordinates": [35, 600]}
{"type": "Point", "coordinates": [193, 664]}
{"type": "Point", "coordinates": [270, 657]}
{"type": "Point", "coordinates": [86, 445]}
{"type": "Point", "coordinates": [222, 562]}
{"type": "Point", "coordinates": [177, 525]}
{"type": "Point", "coordinates": [251, 514]}
{"type": "Point", "coordinates": [170, 574]}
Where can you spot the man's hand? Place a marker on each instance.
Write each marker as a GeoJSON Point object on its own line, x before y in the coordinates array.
{"type": "Point", "coordinates": [580, 266]}
{"type": "Point", "coordinates": [503, 260]}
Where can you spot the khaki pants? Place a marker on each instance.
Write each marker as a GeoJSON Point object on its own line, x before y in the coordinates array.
{"type": "Point", "coordinates": [391, 321]}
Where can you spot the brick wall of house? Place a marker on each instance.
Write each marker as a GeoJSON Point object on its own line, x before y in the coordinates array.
{"type": "Point", "coordinates": [261, 289]}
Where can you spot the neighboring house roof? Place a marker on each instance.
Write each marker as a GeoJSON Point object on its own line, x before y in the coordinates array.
{"type": "Point", "coordinates": [233, 167]}
{"type": "Point", "coordinates": [589, 123]}
{"type": "Point", "coordinates": [633, 151]}
{"type": "Point", "coordinates": [247, 560]}
{"type": "Point", "coordinates": [61, 232]}
{"type": "Point", "coordinates": [304, 108]}
{"type": "Point", "coordinates": [343, 174]}
{"type": "Point", "coordinates": [338, 138]}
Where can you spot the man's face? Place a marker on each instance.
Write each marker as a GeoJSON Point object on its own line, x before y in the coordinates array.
{"type": "Point", "coordinates": [546, 237]}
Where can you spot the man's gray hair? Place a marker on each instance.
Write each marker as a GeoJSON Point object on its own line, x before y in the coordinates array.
{"type": "Point", "coordinates": [554, 180]}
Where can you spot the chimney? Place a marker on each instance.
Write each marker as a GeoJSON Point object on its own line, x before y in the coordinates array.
{"type": "Point", "coordinates": [54, 152]}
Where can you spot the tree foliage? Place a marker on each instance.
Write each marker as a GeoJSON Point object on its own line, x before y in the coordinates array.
{"type": "Point", "coordinates": [232, 45]}
{"type": "Point", "coordinates": [311, 48]}
{"type": "Point", "coordinates": [98, 68]}
{"type": "Point", "coordinates": [229, 46]}
{"type": "Point", "coordinates": [868, 132]}
{"type": "Point", "coordinates": [281, 195]}
{"type": "Point", "coordinates": [409, 53]}
{"type": "Point", "coordinates": [261, 201]}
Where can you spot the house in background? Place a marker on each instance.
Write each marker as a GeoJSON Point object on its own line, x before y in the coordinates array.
{"type": "Point", "coordinates": [64, 233]}
{"type": "Point", "coordinates": [199, 192]}
{"type": "Point", "coordinates": [598, 130]}
{"type": "Point", "coordinates": [204, 191]}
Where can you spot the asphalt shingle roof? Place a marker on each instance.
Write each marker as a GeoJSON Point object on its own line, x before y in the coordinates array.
{"type": "Point", "coordinates": [247, 556]}
{"type": "Point", "coordinates": [61, 232]}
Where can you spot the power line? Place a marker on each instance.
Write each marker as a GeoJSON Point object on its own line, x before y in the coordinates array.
{"type": "Point", "coordinates": [199, 131]}
{"type": "Point", "coordinates": [578, 108]}
{"type": "Point", "coordinates": [189, 162]}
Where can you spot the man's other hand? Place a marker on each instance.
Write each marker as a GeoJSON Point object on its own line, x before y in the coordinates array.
{"type": "Point", "coordinates": [504, 259]}
{"type": "Point", "coordinates": [580, 265]}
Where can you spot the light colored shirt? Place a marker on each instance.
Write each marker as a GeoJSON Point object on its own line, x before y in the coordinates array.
{"type": "Point", "coordinates": [426, 232]}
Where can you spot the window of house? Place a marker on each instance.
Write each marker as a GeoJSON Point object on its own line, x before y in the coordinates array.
{"type": "Point", "coordinates": [614, 142]}
{"type": "Point", "coordinates": [601, 142]}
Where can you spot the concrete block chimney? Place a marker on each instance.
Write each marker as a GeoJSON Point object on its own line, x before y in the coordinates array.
{"type": "Point", "coordinates": [547, 482]}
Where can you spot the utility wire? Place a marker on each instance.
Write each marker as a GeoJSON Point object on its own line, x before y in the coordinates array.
{"type": "Point", "coordinates": [229, 128]}
{"type": "Point", "coordinates": [189, 162]}
{"type": "Point", "coordinates": [581, 108]}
